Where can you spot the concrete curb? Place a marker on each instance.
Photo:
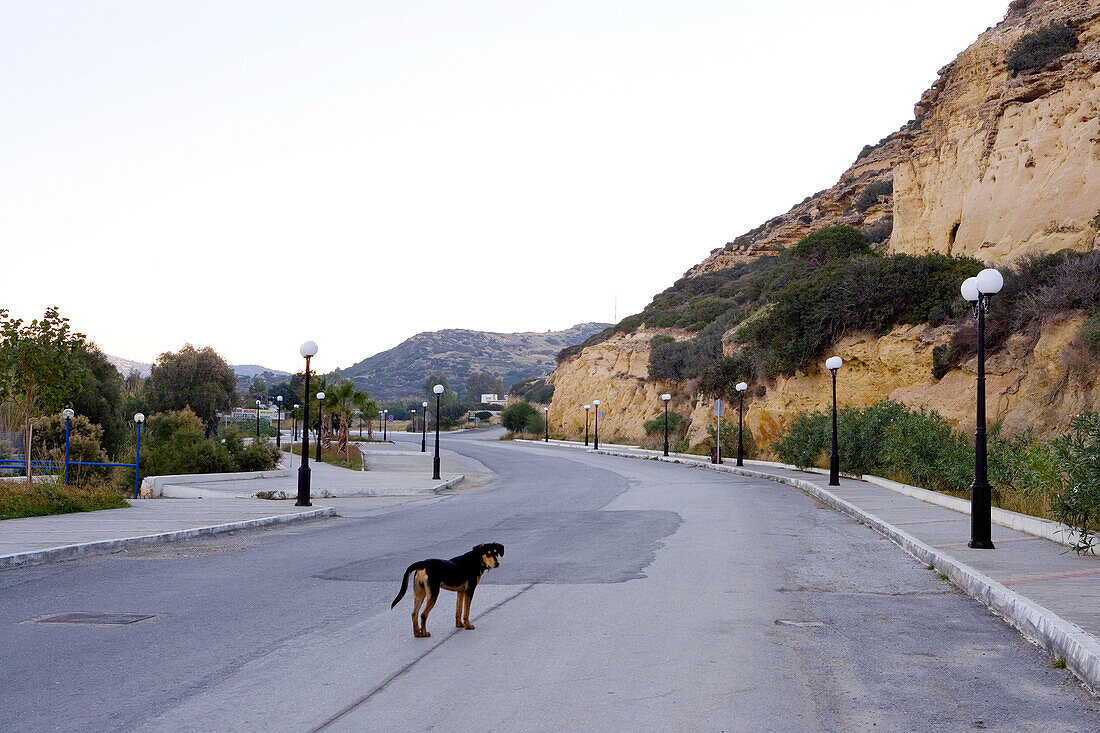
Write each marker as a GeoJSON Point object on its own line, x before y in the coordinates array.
{"type": "Point", "coordinates": [151, 486]}
{"type": "Point", "coordinates": [85, 549]}
{"type": "Point", "coordinates": [1044, 627]}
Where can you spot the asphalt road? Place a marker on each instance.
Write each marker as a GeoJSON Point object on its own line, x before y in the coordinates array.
{"type": "Point", "coordinates": [633, 595]}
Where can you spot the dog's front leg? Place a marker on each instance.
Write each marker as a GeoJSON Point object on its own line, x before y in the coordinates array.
{"type": "Point", "coordinates": [459, 604]}
{"type": "Point", "coordinates": [465, 601]}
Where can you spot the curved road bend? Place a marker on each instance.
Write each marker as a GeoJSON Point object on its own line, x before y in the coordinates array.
{"type": "Point", "coordinates": [633, 595]}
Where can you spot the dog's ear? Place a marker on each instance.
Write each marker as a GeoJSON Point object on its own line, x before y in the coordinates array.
{"type": "Point", "coordinates": [500, 548]}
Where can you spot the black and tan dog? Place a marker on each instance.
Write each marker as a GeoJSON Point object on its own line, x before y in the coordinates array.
{"type": "Point", "coordinates": [460, 574]}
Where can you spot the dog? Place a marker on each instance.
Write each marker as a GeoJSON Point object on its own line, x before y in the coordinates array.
{"type": "Point", "coordinates": [460, 574]}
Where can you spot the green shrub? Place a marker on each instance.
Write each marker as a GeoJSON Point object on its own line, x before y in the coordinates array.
{"type": "Point", "coordinates": [657, 424]}
{"type": "Point", "coordinates": [1090, 333]}
{"type": "Point", "coordinates": [868, 197]}
{"type": "Point", "coordinates": [1035, 50]}
{"type": "Point", "coordinates": [832, 243]}
{"type": "Point", "coordinates": [806, 441]}
{"type": "Point", "coordinates": [880, 231]}
{"type": "Point", "coordinates": [515, 417]}
{"type": "Point", "coordinates": [1078, 458]}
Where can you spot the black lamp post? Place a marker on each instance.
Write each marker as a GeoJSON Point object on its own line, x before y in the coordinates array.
{"type": "Point", "coordinates": [68, 414]}
{"type": "Point", "coordinates": [424, 428]}
{"type": "Point", "coordinates": [308, 350]}
{"type": "Point", "coordinates": [360, 425]}
{"type": "Point", "coordinates": [257, 419]}
{"type": "Point", "coordinates": [977, 290]}
{"type": "Point", "coordinates": [596, 437]}
{"type": "Point", "coordinates": [438, 389]}
{"type": "Point", "coordinates": [385, 425]}
{"type": "Point", "coordinates": [587, 408]}
{"type": "Point", "coordinates": [546, 424]}
{"type": "Point", "coordinates": [294, 436]}
{"type": "Point", "coordinates": [665, 398]}
{"type": "Point", "coordinates": [833, 363]}
{"type": "Point", "coordinates": [412, 420]}
{"type": "Point", "coordinates": [279, 421]}
{"type": "Point", "coordinates": [741, 387]}
{"type": "Point", "coordinates": [320, 413]}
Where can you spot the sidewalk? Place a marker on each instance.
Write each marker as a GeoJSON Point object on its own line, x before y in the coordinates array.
{"type": "Point", "coordinates": [195, 509]}
{"type": "Point", "coordinates": [1046, 591]}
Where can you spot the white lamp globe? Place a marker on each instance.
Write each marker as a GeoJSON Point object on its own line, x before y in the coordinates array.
{"type": "Point", "coordinates": [833, 363]}
{"type": "Point", "coordinates": [989, 281]}
{"type": "Point", "coordinates": [546, 409]}
{"type": "Point", "coordinates": [596, 403]}
{"type": "Point", "coordinates": [424, 404]}
{"type": "Point", "coordinates": [320, 395]}
{"type": "Point", "coordinates": [309, 348]}
{"type": "Point", "coordinates": [68, 413]}
{"type": "Point", "coordinates": [588, 407]}
{"type": "Point", "coordinates": [438, 389]}
{"type": "Point", "coordinates": [665, 397]}
{"type": "Point", "coordinates": [969, 289]}
{"type": "Point", "coordinates": [139, 418]}
{"type": "Point", "coordinates": [741, 386]}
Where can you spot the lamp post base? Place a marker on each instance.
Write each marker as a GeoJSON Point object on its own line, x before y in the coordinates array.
{"type": "Point", "coordinates": [981, 545]}
{"type": "Point", "coordinates": [435, 468]}
{"type": "Point", "coordinates": [303, 487]}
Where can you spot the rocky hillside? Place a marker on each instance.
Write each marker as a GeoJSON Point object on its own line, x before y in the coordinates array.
{"type": "Point", "coordinates": [458, 353]}
{"type": "Point", "coordinates": [1000, 162]}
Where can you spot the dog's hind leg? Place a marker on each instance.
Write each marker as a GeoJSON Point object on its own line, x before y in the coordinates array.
{"type": "Point", "coordinates": [420, 591]}
{"type": "Point", "coordinates": [433, 594]}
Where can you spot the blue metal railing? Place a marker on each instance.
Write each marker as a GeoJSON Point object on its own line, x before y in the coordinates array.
{"type": "Point", "coordinates": [136, 465]}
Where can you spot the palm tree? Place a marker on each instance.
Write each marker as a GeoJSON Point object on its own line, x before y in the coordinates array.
{"type": "Point", "coordinates": [344, 398]}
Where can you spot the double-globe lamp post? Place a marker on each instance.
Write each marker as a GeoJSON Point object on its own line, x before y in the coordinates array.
{"type": "Point", "coordinates": [977, 291]}
{"type": "Point", "coordinates": [833, 363]}
{"type": "Point", "coordinates": [308, 350]}
{"type": "Point", "coordinates": [665, 398]}
{"type": "Point", "coordinates": [741, 387]}
{"type": "Point", "coordinates": [438, 389]}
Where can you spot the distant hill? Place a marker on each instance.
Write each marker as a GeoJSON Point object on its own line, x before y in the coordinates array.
{"type": "Point", "coordinates": [252, 370]}
{"type": "Point", "coordinates": [458, 353]}
{"type": "Point", "coordinates": [126, 366]}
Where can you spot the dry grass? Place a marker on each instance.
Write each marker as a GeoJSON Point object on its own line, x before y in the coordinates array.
{"type": "Point", "coordinates": [41, 499]}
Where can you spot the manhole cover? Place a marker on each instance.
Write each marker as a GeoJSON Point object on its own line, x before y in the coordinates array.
{"type": "Point", "coordinates": [94, 619]}
{"type": "Point", "coordinates": [799, 624]}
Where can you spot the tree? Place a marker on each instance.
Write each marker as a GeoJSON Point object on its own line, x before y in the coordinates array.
{"type": "Point", "coordinates": [516, 417]}
{"type": "Point", "coordinates": [344, 397]}
{"type": "Point", "coordinates": [100, 398]}
{"type": "Point", "coordinates": [39, 368]}
{"type": "Point", "coordinates": [448, 396]}
{"type": "Point", "coordinates": [482, 383]}
{"type": "Point", "coordinates": [195, 379]}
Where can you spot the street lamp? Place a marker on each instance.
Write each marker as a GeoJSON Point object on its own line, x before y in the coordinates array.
{"type": "Point", "coordinates": [424, 428]}
{"type": "Point", "coordinates": [320, 413]}
{"type": "Point", "coordinates": [587, 408]}
{"type": "Point", "coordinates": [412, 420]}
{"type": "Point", "coordinates": [665, 398]}
{"type": "Point", "coordinates": [741, 387]}
{"type": "Point", "coordinates": [139, 419]}
{"type": "Point", "coordinates": [385, 424]}
{"type": "Point", "coordinates": [379, 419]}
{"type": "Point", "coordinates": [977, 291]}
{"type": "Point", "coordinates": [308, 350]}
{"type": "Point", "coordinates": [257, 419]}
{"type": "Point", "coordinates": [438, 389]}
{"type": "Point", "coordinates": [294, 439]}
{"type": "Point", "coordinates": [68, 414]}
{"type": "Point", "coordinates": [546, 424]}
{"type": "Point", "coordinates": [279, 421]}
{"type": "Point", "coordinates": [833, 363]}
{"type": "Point", "coordinates": [596, 439]}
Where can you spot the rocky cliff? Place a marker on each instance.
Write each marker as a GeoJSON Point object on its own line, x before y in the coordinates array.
{"type": "Point", "coordinates": [997, 165]}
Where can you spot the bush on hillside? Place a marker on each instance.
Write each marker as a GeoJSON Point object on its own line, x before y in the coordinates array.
{"type": "Point", "coordinates": [869, 196]}
{"type": "Point", "coordinates": [832, 243]}
{"type": "Point", "coordinates": [517, 416]}
{"type": "Point", "coordinates": [657, 424]}
{"type": "Point", "coordinates": [1037, 49]}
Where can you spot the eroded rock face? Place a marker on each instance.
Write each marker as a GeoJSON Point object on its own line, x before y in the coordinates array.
{"type": "Point", "coordinates": [995, 166]}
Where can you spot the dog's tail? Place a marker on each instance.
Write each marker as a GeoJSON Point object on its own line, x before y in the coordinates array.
{"type": "Point", "coordinates": [405, 582]}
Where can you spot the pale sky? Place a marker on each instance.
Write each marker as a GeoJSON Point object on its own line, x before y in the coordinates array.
{"type": "Point", "coordinates": [252, 175]}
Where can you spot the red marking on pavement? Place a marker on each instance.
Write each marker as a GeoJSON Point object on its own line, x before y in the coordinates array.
{"type": "Point", "coordinates": [1052, 576]}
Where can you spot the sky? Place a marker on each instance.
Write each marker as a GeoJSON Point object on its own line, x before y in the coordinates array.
{"type": "Point", "coordinates": [253, 175]}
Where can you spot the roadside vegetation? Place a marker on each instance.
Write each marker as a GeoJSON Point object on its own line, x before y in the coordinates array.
{"type": "Point", "coordinates": [18, 499]}
{"type": "Point", "coordinates": [1057, 479]}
